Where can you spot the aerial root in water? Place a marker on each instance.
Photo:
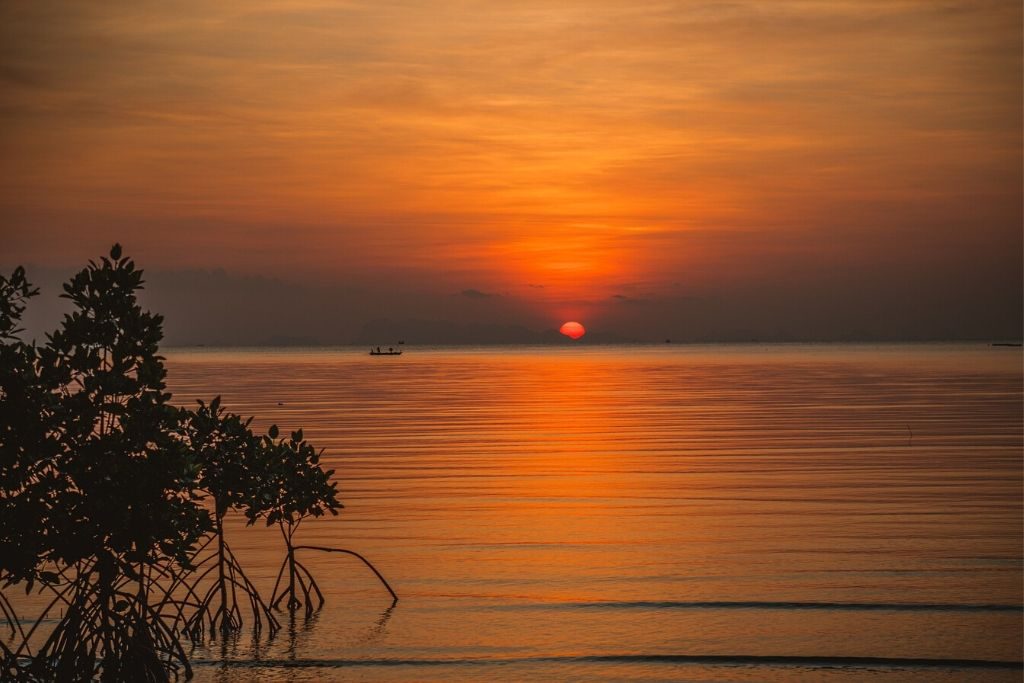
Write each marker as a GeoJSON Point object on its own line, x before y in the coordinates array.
{"type": "Point", "coordinates": [313, 584]}
{"type": "Point", "coordinates": [162, 605]}
{"type": "Point", "coordinates": [302, 589]}
{"type": "Point", "coordinates": [11, 617]}
{"type": "Point", "coordinates": [365, 561]}
{"type": "Point", "coordinates": [86, 641]}
{"type": "Point", "coordinates": [226, 617]}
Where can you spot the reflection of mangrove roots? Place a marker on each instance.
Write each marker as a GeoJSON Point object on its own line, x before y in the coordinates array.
{"type": "Point", "coordinates": [8, 664]}
{"type": "Point", "coordinates": [379, 628]}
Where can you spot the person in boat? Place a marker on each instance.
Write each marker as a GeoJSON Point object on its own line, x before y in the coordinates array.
{"type": "Point", "coordinates": [378, 349]}
{"type": "Point", "coordinates": [390, 350]}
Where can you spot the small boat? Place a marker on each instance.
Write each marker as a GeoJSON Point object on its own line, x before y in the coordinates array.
{"type": "Point", "coordinates": [389, 352]}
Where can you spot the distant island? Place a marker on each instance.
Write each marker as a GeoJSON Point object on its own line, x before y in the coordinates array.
{"type": "Point", "coordinates": [443, 332]}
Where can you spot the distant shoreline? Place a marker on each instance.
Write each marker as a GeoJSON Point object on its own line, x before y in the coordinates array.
{"type": "Point", "coordinates": [981, 343]}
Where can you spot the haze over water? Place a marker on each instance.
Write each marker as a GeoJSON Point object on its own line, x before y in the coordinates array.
{"type": "Point", "coordinates": [645, 513]}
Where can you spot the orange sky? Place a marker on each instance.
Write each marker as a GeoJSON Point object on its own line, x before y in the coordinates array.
{"type": "Point", "coordinates": [566, 155]}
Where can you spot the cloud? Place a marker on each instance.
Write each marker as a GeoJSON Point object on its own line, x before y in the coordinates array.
{"type": "Point", "coordinates": [477, 294]}
{"type": "Point", "coordinates": [729, 146]}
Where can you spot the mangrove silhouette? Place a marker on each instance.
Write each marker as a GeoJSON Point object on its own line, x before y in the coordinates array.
{"type": "Point", "coordinates": [112, 500]}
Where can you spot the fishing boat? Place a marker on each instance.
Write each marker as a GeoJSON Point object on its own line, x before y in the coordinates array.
{"type": "Point", "coordinates": [389, 352]}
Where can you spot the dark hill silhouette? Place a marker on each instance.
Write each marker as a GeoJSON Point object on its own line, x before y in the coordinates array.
{"type": "Point", "coordinates": [430, 332]}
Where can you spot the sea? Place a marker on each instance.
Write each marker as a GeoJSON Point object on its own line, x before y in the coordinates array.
{"type": "Point", "coordinates": [827, 512]}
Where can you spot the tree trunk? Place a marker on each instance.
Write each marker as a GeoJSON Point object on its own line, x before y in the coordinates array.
{"type": "Point", "coordinates": [224, 625]}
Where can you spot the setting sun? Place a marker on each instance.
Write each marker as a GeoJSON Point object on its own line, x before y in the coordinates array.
{"type": "Point", "coordinates": [573, 330]}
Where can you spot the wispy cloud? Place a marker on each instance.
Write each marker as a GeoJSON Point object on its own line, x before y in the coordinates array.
{"type": "Point", "coordinates": [575, 144]}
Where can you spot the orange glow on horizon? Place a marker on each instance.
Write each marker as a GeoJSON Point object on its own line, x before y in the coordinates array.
{"type": "Point", "coordinates": [569, 160]}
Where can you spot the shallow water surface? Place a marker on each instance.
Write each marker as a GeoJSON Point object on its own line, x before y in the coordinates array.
{"type": "Point", "coordinates": [651, 513]}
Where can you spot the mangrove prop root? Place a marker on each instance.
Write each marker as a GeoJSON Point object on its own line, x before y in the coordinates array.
{"type": "Point", "coordinates": [355, 554]}
{"type": "Point", "coordinates": [11, 617]}
{"type": "Point", "coordinates": [161, 606]}
{"type": "Point", "coordinates": [218, 610]}
{"type": "Point", "coordinates": [87, 641]}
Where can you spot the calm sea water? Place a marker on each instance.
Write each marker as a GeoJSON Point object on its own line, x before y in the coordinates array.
{"type": "Point", "coordinates": [778, 513]}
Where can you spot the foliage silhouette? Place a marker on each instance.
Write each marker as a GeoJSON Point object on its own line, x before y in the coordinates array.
{"type": "Point", "coordinates": [294, 488]}
{"type": "Point", "coordinates": [112, 500]}
{"type": "Point", "coordinates": [228, 452]}
{"type": "Point", "coordinates": [99, 480]}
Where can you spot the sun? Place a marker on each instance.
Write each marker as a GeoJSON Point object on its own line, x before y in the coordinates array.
{"type": "Point", "coordinates": [573, 330]}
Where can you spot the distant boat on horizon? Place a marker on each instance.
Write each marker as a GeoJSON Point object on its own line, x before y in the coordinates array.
{"type": "Point", "coordinates": [390, 352]}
